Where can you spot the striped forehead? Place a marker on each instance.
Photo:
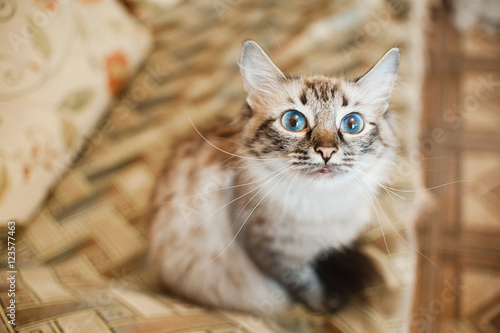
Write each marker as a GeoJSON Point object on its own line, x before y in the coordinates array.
{"type": "Point", "coordinates": [324, 94]}
{"type": "Point", "coordinates": [323, 90]}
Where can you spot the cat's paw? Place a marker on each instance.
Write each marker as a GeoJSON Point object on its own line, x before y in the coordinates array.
{"type": "Point", "coordinates": [316, 298]}
{"type": "Point", "coordinates": [309, 288]}
{"type": "Point", "coordinates": [333, 302]}
{"type": "Point", "coordinates": [344, 274]}
{"type": "Point", "coordinates": [327, 303]}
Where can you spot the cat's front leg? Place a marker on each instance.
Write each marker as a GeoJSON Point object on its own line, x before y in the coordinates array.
{"type": "Point", "coordinates": [296, 271]}
{"type": "Point", "coordinates": [306, 286]}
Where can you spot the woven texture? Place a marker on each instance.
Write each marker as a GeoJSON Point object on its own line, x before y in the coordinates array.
{"type": "Point", "coordinates": [81, 262]}
{"type": "Point", "coordinates": [461, 231]}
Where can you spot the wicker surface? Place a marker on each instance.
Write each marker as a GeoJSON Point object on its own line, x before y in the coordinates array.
{"type": "Point", "coordinates": [461, 232]}
{"type": "Point", "coordinates": [81, 262]}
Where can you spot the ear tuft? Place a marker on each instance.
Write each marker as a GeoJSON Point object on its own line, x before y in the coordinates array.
{"type": "Point", "coordinates": [259, 73]}
{"type": "Point", "coordinates": [377, 84]}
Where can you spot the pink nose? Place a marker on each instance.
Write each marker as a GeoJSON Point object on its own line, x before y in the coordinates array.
{"type": "Point", "coordinates": [326, 152]}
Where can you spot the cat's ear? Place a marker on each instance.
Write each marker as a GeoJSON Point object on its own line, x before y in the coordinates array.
{"type": "Point", "coordinates": [377, 83]}
{"type": "Point", "coordinates": [260, 75]}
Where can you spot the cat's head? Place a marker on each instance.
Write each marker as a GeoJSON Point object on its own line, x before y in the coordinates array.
{"type": "Point", "coordinates": [317, 125]}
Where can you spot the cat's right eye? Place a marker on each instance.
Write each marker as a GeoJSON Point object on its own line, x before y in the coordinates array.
{"type": "Point", "coordinates": [293, 121]}
{"type": "Point", "coordinates": [352, 123]}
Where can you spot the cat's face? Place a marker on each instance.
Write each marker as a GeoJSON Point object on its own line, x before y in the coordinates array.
{"type": "Point", "coordinates": [317, 126]}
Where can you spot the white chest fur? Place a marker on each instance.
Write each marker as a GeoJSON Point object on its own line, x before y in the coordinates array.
{"type": "Point", "coordinates": [317, 214]}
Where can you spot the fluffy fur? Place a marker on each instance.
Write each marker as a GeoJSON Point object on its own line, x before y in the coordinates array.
{"type": "Point", "coordinates": [251, 216]}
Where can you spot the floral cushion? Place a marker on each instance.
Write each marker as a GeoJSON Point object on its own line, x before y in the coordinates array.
{"type": "Point", "coordinates": [61, 64]}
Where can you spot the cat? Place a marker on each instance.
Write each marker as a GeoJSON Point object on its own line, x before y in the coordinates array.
{"type": "Point", "coordinates": [257, 212]}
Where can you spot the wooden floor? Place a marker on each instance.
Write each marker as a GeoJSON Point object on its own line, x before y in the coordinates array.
{"type": "Point", "coordinates": [459, 291]}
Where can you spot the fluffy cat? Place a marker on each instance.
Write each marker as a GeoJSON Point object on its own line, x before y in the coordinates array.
{"type": "Point", "coordinates": [255, 213]}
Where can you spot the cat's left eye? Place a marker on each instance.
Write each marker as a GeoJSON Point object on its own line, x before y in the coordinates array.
{"type": "Point", "coordinates": [352, 123]}
{"type": "Point", "coordinates": [293, 121]}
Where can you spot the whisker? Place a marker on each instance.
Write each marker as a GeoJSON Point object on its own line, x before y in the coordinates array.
{"type": "Point", "coordinates": [270, 160]}
{"type": "Point", "coordinates": [400, 236]}
{"type": "Point", "coordinates": [242, 225]}
{"type": "Point", "coordinates": [227, 159]}
{"type": "Point", "coordinates": [430, 188]}
{"type": "Point", "coordinates": [283, 170]}
{"type": "Point", "coordinates": [246, 166]}
{"type": "Point", "coordinates": [236, 199]}
{"type": "Point", "coordinates": [286, 197]}
{"type": "Point", "coordinates": [216, 190]}
{"type": "Point", "coordinates": [386, 189]}
{"type": "Point", "coordinates": [232, 141]}
{"type": "Point", "coordinates": [371, 159]}
{"type": "Point", "coordinates": [240, 151]}
{"type": "Point", "coordinates": [378, 217]}
{"type": "Point", "coordinates": [222, 150]}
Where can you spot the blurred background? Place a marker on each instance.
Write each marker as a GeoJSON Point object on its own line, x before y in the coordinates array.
{"type": "Point", "coordinates": [460, 231]}
{"type": "Point", "coordinates": [93, 91]}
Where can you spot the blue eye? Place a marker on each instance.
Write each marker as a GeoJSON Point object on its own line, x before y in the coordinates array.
{"type": "Point", "coordinates": [294, 121]}
{"type": "Point", "coordinates": [352, 124]}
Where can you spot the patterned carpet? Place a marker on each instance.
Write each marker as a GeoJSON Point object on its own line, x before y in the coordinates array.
{"type": "Point", "coordinates": [461, 141]}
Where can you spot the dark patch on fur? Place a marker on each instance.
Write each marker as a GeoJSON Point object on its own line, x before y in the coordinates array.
{"type": "Point", "coordinates": [276, 139]}
{"type": "Point", "coordinates": [308, 137]}
{"type": "Point", "coordinates": [225, 133]}
{"type": "Point", "coordinates": [344, 273]}
{"type": "Point", "coordinates": [382, 142]}
{"type": "Point", "coordinates": [254, 152]}
{"type": "Point", "coordinates": [334, 91]}
{"type": "Point", "coordinates": [341, 136]}
{"type": "Point", "coordinates": [312, 87]}
{"type": "Point", "coordinates": [372, 138]}
{"type": "Point", "coordinates": [291, 100]}
{"type": "Point", "coordinates": [299, 152]}
{"type": "Point", "coordinates": [263, 128]}
{"type": "Point", "coordinates": [325, 138]}
{"type": "Point", "coordinates": [303, 98]}
{"type": "Point", "coordinates": [344, 101]}
{"type": "Point", "coordinates": [323, 91]}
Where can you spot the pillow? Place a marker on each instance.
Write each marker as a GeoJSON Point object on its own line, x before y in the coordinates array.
{"type": "Point", "coordinates": [61, 64]}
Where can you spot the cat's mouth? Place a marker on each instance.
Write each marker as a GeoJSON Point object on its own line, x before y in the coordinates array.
{"type": "Point", "coordinates": [325, 169]}
{"type": "Point", "coordinates": [322, 170]}
{"type": "Point", "coordinates": [330, 170]}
